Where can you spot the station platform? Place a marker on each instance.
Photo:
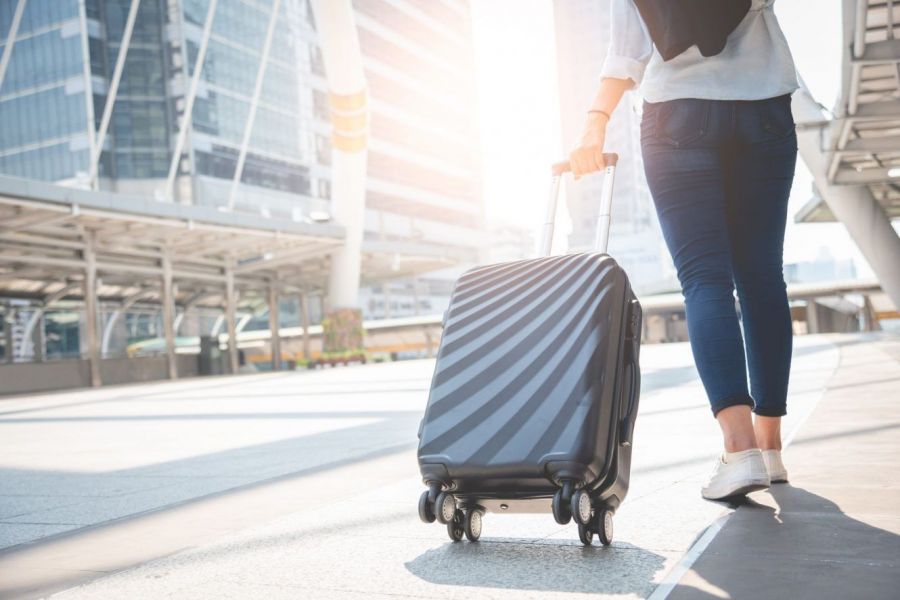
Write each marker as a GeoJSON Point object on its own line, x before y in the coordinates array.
{"type": "Point", "coordinates": [304, 485]}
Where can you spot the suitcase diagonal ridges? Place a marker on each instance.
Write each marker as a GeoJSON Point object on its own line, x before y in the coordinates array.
{"type": "Point", "coordinates": [570, 379]}
{"type": "Point", "coordinates": [465, 312]}
{"type": "Point", "coordinates": [552, 332]}
{"type": "Point", "coordinates": [485, 275]}
{"type": "Point", "coordinates": [461, 354]}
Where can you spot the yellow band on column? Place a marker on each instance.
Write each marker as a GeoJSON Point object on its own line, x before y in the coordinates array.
{"type": "Point", "coordinates": [348, 143]}
{"type": "Point", "coordinates": [349, 121]}
{"type": "Point", "coordinates": [348, 102]}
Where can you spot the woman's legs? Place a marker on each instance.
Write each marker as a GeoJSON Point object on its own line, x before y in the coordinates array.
{"type": "Point", "coordinates": [687, 178]}
{"type": "Point", "coordinates": [762, 172]}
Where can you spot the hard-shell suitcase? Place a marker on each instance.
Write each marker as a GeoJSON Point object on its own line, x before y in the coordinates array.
{"type": "Point", "coordinates": [535, 389]}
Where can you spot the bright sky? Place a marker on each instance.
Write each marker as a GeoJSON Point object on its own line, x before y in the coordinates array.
{"type": "Point", "coordinates": [516, 55]}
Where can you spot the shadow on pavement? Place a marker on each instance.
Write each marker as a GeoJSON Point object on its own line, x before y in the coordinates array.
{"type": "Point", "coordinates": [53, 563]}
{"type": "Point", "coordinates": [804, 548]}
{"type": "Point", "coordinates": [563, 567]}
{"type": "Point", "coordinates": [90, 499]}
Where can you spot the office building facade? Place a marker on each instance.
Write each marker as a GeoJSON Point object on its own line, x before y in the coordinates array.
{"type": "Point", "coordinates": [252, 145]}
{"type": "Point", "coordinates": [582, 34]}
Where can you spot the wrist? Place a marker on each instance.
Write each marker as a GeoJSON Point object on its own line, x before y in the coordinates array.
{"type": "Point", "coordinates": [597, 121]}
{"type": "Point", "coordinates": [598, 117]}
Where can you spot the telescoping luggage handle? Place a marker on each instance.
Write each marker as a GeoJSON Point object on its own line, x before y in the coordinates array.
{"type": "Point", "coordinates": [601, 239]}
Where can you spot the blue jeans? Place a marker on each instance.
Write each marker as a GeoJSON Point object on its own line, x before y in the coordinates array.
{"type": "Point", "coordinates": [720, 174]}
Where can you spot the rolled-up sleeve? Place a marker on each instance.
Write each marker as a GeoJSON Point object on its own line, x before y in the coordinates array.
{"type": "Point", "coordinates": [630, 46]}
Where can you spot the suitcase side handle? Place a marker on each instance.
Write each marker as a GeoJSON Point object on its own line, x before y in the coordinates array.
{"type": "Point", "coordinates": [601, 239]}
{"type": "Point", "coordinates": [626, 425]}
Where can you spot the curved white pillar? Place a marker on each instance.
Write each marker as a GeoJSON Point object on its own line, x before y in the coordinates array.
{"type": "Point", "coordinates": [27, 338]}
{"type": "Point", "coordinates": [338, 39]}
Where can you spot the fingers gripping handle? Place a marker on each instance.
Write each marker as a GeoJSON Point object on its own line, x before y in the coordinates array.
{"type": "Point", "coordinates": [563, 166]}
{"type": "Point", "coordinates": [601, 240]}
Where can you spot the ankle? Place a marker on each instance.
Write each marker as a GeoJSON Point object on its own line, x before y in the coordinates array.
{"type": "Point", "coordinates": [737, 428]}
{"type": "Point", "coordinates": [768, 432]}
{"type": "Point", "coordinates": [769, 444]}
{"type": "Point", "coordinates": [739, 443]}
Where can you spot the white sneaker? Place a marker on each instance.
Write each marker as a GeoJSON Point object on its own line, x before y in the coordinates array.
{"type": "Point", "coordinates": [777, 472]}
{"type": "Point", "coordinates": [736, 474]}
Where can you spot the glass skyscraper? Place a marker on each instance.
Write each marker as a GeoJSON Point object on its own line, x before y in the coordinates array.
{"type": "Point", "coordinates": [423, 182]}
{"type": "Point", "coordinates": [43, 109]}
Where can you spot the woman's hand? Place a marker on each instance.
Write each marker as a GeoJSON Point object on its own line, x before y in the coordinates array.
{"type": "Point", "coordinates": [587, 157]}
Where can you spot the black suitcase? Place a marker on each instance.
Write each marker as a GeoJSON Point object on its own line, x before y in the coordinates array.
{"type": "Point", "coordinates": [535, 389]}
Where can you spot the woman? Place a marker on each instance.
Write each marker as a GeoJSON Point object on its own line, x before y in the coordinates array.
{"type": "Point", "coordinates": [719, 150]}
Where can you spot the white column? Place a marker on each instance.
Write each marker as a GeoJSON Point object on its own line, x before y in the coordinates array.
{"type": "Point", "coordinates": [349, 118]}
{"type": "Point", "coordinates": [39, 340]}
{"type": "Point", "coordinates": [168, 315]}
{"type": "Point", "coordinates": [230, 315]}
{"type": "Point", "coordinates": [8, 320]}
{"type": "Point", "coordinates": [304, 322]}
{"type": "Point", "coordinates": [853, 205]}
{"type": "Point", "coordinates": [91, 311]}
{"type": "Point", "coordinates": [274, 329]}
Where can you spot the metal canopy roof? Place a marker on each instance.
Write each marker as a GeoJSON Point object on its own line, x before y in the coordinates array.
{"type": "Point", "coordinates": [46, 229]}
{"type": "Point", "coordinates": [865, 133]}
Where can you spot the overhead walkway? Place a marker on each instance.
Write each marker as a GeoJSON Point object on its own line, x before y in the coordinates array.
{"type": "Point", "coordinates": [854, 153]}
{"type": "Point", "coordinates": [304, 484]}
{"type": "Point", "coordinates": [862, 138]}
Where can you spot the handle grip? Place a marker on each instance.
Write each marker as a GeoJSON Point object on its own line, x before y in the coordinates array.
{"type": "Point", "coordinates": [603, 219]}
{"type": "Point", "coordinates": [609, 160]}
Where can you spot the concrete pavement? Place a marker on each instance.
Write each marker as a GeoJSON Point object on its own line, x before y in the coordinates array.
{"type": "Point", "coordinates": [304, 485]}
{"type": "Point", "coordinates": [834, 531]}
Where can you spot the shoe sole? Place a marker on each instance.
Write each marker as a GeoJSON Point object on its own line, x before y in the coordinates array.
{"type": "Point", "coordinates": [740, 491]}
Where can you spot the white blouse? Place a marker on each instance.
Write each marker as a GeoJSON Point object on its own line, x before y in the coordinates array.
{"type": "Point", "coordinates": [755, 64]}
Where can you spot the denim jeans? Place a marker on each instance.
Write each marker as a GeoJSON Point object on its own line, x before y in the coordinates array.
{"type": "Point", "coordinates": [720, 174]}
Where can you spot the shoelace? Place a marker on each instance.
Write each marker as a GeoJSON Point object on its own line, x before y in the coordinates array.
{"type": "Point", "coordinates": [715, 469]}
